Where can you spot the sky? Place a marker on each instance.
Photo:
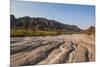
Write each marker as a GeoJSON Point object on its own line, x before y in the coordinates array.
{"type": "Point", "coordinates": [81, 15]}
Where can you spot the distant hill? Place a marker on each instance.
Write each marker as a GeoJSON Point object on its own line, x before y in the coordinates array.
{"type": "Point", "coordinates": [41, 24]}
{"type": "Point", "coordinates": [90, 30]}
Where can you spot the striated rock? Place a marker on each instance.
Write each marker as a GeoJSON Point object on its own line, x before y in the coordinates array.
{"type": "Point", "coordinates": [52, 49]}
{"type": "Point", "coordinates": [81, 55]}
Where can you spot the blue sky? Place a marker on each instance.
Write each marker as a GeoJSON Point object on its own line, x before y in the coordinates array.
{"type": "Point", "coordinates": [81, 15]}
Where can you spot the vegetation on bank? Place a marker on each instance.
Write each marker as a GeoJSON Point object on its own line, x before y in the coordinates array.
{"type": "Point", "coordinates": [30, 32]}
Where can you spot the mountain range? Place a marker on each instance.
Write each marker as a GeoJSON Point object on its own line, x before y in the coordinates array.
{"type": "Point", "coordinates": [38, 23]}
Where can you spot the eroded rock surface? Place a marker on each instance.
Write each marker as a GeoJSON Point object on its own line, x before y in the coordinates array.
{"type": "Point", "coordinates": [52, 49]}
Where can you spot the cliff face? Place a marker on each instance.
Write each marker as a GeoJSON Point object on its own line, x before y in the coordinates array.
{"type": "Point", "coordinates": [41, 24]}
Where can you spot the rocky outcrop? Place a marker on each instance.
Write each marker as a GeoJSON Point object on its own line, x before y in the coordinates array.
{"type": "Point", "coordinates": [52, 49]}
{"type": "Point", "coordinates": [41, 24]}
{"type": "Point", "coordinates": [90, 30]}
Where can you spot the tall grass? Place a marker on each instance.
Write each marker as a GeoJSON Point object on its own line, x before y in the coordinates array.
{"type": "Point", "coordinates": [30, 32]}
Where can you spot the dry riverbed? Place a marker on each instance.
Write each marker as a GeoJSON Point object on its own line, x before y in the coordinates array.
{"type": "Point", "coordinates": [52, 49]}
